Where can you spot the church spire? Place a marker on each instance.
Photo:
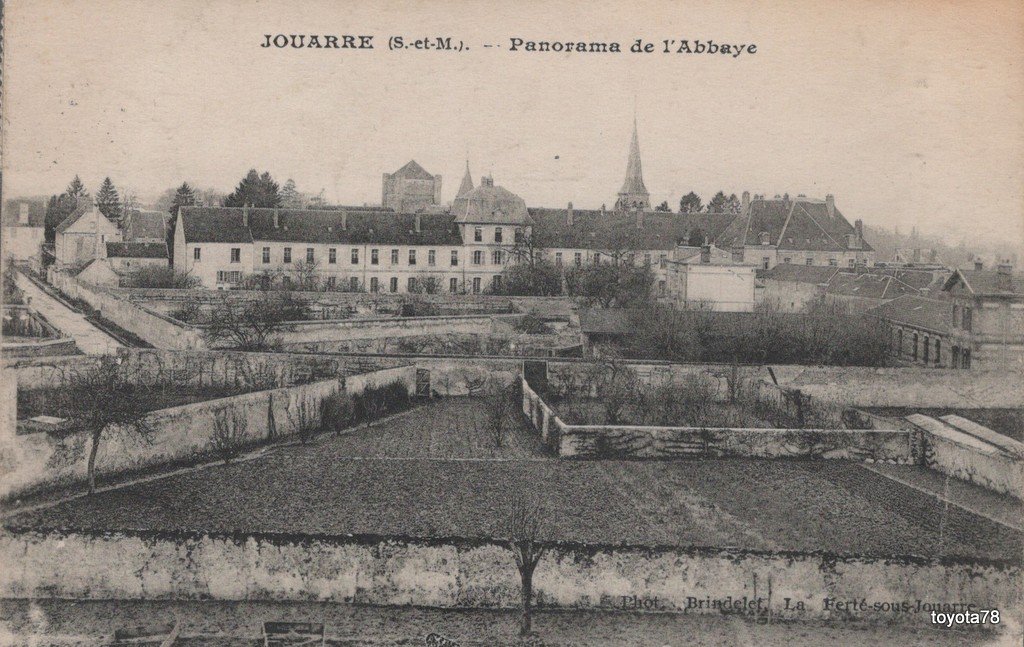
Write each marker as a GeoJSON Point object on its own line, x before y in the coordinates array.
{"type": "Point", "coordinates": [634, 194]}
{"type": "Point", "coordinates": [467, 183]}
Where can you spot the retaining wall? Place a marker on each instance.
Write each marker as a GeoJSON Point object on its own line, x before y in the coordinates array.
{"type": "Point", "coordinates": [179, 434]}
{"type": "Point", "coordinates": [482, 574]}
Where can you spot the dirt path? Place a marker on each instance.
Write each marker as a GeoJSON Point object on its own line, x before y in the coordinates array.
{"type": "Point", "coordinates": [90, 339]}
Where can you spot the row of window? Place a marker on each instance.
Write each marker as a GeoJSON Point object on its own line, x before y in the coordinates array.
{"type": "Point", "coordinates": [498, 256]}
{"type": "Point", "coordinates": [412, 283]}
{"type": "Point", "coordinates": [959, 357]}
{"type": "Point", "coordinates": [833, 262]}
{"type": "Point", "coordinates": [478, 235]}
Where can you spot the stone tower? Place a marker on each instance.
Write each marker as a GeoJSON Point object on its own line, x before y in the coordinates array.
{"type": "Point", "coordinates": [634, 196]}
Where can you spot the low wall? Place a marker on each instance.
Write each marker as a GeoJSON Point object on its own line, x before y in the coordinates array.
{"type": "Point", "coordinates": [180, 434]}
{"type": "Point", "coordinates": [889, 446]}
{"type": "Point", "coordinates": [42, 348]}
{"type": "Point", "coordinates": [968, 458]}
{"type": "Point", "coordinates": [152, 327]}
{"type": "Point", "coordinates": [482, 574]}
{"type": "Point", "coordinates": [648, 442]}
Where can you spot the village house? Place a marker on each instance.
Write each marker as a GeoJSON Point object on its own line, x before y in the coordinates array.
{"type": "Point", "coordinates": [707, 278]}
{"type": "Point", "coordinates": [23, 228]}
{"type": "Point", "coordinates": [987, 316]}
{"type": "Point", "coordinates": [82, 237]}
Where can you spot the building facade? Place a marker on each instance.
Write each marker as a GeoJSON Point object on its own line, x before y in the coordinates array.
{"type": "Point", "coordinates": [82, 237]}
{"type": "Point", "coordinates": [411, 189]}
{"type": "Point", "coordinates": [23, 228]}
{"type": "Point", "coordinates": [986, 317]}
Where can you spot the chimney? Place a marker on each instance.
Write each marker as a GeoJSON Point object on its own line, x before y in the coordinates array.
{"type": "Point", "coordinates": [417, 223]}
{"type": "Point", "coordinates": [568, 215]}
{"type": "Point", "coordinates": [344, 221]}
{"type": "Point", "coordinates": [705, 254]}
{"type": "Point", "coordinates": [1004, 276]}
{"type": "Point", "coordinates": [978, 265]}
{"type": "Point", "coordinates": [858, 226]}
{"type": "Point", "coordinates": [745, 203]}
{"type": "Point", "coordinates": [830, 204]}
{"type": "Point", "coordinates": [245, 215]}
{"type": "Point", "coordinates": [277, 220]}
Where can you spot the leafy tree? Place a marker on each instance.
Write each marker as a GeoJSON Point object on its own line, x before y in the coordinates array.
{"type": "Point", "coordinates": [76, 189]}
{"type": "Point", "coordinates": [541, 279]}
{"type": "Point", "coordinates": [663, 207]}
{"type": "Point", "coordinates": [690, 203]}
{"type": "Point", "coordinates": [108, 201]}
{"type": "Point", "coordinates": [255, 189]}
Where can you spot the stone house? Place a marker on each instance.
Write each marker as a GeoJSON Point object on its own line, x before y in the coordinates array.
{"type": "Point", "coordinates": [83, 236]}
{"type": "Point", "coordinates": [920, 330]}
{"type": "Point", "coordinates": [987, 317]}
{"type": "Point", "coordinates": [410, 189]}
{"type": "Point", "coordinates": [707, 278]}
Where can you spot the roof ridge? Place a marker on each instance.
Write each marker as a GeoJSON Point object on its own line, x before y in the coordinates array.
{"type": "Point", "coordinates": [785, 225]}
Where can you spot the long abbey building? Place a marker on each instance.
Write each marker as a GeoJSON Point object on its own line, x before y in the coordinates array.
{"type": "Point", "coordinates": [413, 240]}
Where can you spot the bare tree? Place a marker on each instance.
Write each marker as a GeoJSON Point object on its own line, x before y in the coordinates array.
{"type": "Point", "coordinates": [100, 399]}
{"type": "Point", "coordinates": [523, 527]}
{"type": "Point", "coordinates": [252, 324]}
{"type": "Point", "coordinates": [499, 408]}
{"type": "Point", "coordinates": [229, 433]}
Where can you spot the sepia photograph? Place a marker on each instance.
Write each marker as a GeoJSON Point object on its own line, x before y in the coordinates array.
{"type": "Point", "coordinates": [495, 324]}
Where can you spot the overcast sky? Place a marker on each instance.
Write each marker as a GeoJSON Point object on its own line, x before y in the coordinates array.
{"type": "Point", "coordinates": [909, 114]}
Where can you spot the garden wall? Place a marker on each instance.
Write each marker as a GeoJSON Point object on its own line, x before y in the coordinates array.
{"type": "Point", "coordinates": [180, 434]}
{"type": "Point", "coordinates": [482, 574]}
{"type": "Point", "coordinates": [152, 327]}
{"type": "Point", "coordinates": [969, 458]}
{"type": "Point", "coordinates": [645, 442]}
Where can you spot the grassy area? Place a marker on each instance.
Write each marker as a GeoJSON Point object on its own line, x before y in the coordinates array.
{"type": "Point", "coordinates": [427, 475]}
{"type": "Point", "coordinates": [1006, 421]}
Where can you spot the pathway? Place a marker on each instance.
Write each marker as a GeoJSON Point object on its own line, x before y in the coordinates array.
{"type": "Point", "coordinates": [90, 339]}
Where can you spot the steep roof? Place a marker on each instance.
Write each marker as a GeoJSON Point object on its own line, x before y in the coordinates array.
{"type": "Point", "coordinates": [467, 183]}
{"type": "Point", "coordinates": [988, 282]}
{"type": "Point", "coordinates": [36, 213]}
{"type": "Point", "coordinates": [796, 224]}
{"type": "Point", "coordinates": [412, 171]}
{"type": "Point", "coordinates": [634, 182]}
{"type": "Point", "coordinates": [491, 204]}
{"type": "Point", "coordinates": [136, 250]}
{"type": "Point", "coordinates": [612, 230]}
{"type": "Point", "coordinates": [224, 224]}
{"type": "Point", "coordinates": [146, 224]}
{"type": "Point", "coordinates": [84, 207]}
{"type": "Point", "coordinates": [934, 315]}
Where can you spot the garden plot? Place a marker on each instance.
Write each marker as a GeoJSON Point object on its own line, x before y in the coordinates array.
{"type": "Point", "coordinates": [413, 476]}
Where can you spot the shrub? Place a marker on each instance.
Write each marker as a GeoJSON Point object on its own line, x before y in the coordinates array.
{"type": "Point", "coordinates": [337, 412]}
{"type": "Point", "coordinates": [378, 401]}
{"type": "Point", "coordinates": [228, 436]}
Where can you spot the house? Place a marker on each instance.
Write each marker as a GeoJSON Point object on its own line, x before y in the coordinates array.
{"type": "Point", "coordinates": [800, 231]}
{"type": "Point", "coordinates": [707, 278]}
{"type": "Point", "coordinates": [125, 258]}
{"type": "Point", "coordinates": [82, 236]}
{"type": "Point", "coordinates": [987, 317]}
{"type": "Point", "coordinates": [23, 226]}
{"type": "Point", "coordinates": [921, 331]}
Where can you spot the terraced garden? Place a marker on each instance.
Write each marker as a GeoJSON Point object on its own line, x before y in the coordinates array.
{"type": "Point", "coordinates": [428, 473]}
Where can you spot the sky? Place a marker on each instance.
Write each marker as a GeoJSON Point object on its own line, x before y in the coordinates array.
{"type": "Point", "coordinates": [911, 113]}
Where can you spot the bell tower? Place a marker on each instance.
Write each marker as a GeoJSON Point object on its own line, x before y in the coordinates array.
{"type": "Point", "coordinates": [634, 196]}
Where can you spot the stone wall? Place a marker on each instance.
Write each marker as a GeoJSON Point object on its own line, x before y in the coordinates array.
{"type": "Point", "coordinates": [482, 574]}
{"type": "Point", "coordinates": [180, 434]}
{"type": "Point", "coordinates": [152, 327]}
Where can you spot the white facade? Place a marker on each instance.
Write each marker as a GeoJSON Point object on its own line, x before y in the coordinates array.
{"type": "Point", "coordinates": [84, 239]}
{"type": "Point", "coordinates": [710, 280]}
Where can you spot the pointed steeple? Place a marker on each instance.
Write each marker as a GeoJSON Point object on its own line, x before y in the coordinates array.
{"type": "Point", "coordinates": [467, 183]}
{"type": "Point", "coordinates": [633, 194]}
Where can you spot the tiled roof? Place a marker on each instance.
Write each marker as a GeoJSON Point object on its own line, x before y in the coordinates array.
{"type": "Point", "coordinates": [490, 204]}
{"type": "Point", "coordinates": [989, 282]}
{"type": "Point", "coordinates": [136, 250]}
{"type": "Point", "coordinates": [868, 285]}
{"type": "Point", "coordinates": [918, 312]}
{"type": "Point", "coordinates": [146, 224]}
{"type": "Point", "coordinates": [36, 213]}
{"type": "Point", "coordinates": [797, 224]}
{"type": "Point", "coordinates": [612, 230]}
{"type": "Point", "coordinates": [412, 171]}
{"type": "Point", "coordinates": [798, 273]}
{"type": "Point", "coordinates": [224, 224]}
